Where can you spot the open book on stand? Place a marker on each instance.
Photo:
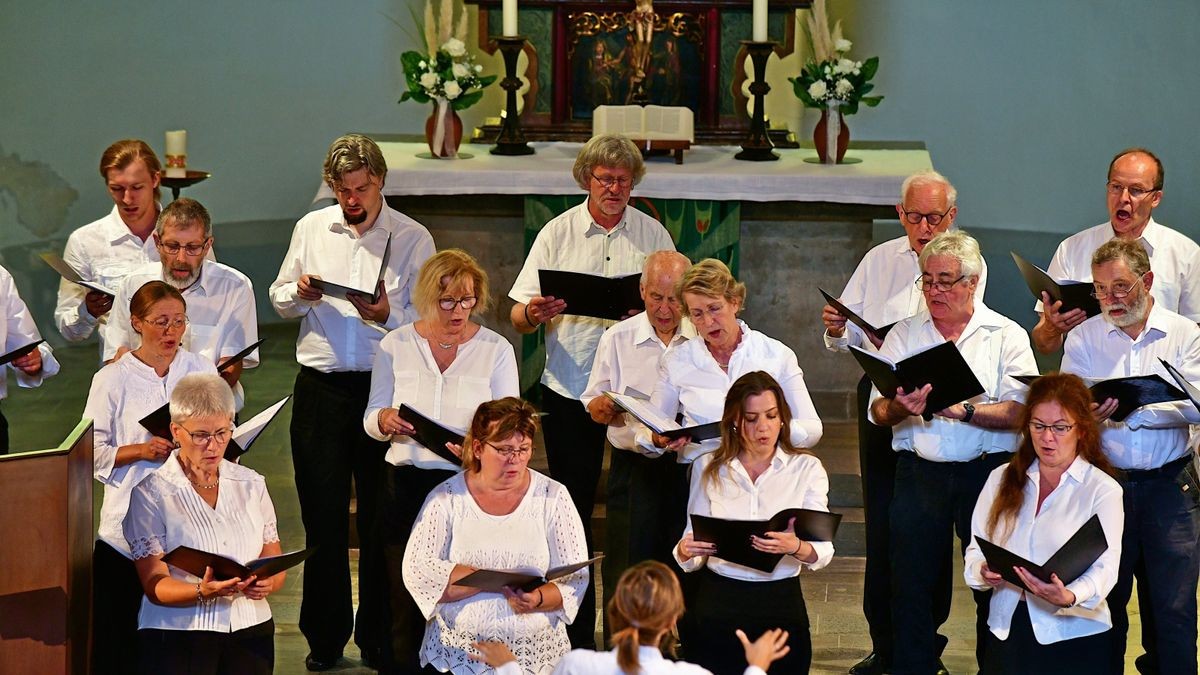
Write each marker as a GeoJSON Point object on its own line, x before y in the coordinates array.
{"type": "Point", "coordinates": [645, 123]}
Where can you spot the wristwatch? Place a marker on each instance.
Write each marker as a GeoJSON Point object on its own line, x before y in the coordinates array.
{"type": "Point", "coordinates": [970, 412]}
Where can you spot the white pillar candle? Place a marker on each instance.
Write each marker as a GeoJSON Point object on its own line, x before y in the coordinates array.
{"type": "Point", "coordinates": [509, 9]}
{"type": "Point", "coordinates": [760, 21]}
{"type": "Point", "coordinates": [176, 154]}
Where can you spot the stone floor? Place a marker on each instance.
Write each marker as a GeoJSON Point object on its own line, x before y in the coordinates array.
{"type": "Point", "coordinates": [40, 417]}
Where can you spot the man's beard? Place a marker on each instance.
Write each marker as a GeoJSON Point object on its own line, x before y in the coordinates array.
{"type": "Point", "coordinates": [184, 283]}
{"type": "Point", "coordinates": [1135, 312]}
{"type": "Point", "coordinates": [355, 220]}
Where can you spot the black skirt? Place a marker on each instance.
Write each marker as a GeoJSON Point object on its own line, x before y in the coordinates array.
{"type": "Point", "coordinates": [1022, 654]}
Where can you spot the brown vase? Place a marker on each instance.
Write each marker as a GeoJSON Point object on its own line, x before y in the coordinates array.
{"type": "Point", "coordinates": [451, 133]}
{"type": "Point", "coordinates": [843, 139]}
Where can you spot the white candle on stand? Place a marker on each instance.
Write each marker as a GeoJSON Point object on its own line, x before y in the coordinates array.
{"type": "Point", "coordinates": [509, 10]}
{"type": "Point", "coordinates": [760, 21]}
{"type": "Point", "coordinates": [176, 154]}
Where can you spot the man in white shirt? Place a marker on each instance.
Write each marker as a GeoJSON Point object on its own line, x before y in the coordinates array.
{"type": "Point", "coordinates": [603, 236]}
{"type": "Point", "coordinates": [646, 493]}
{"type": "Point", "coordinates": [105, 251]}
{"type": "Point", "coordinates": [944, 459]}
{"type": "Point", "coordinates": [344, 244]}
{"type": "Point", "coordinates": [222, 317]}
{"type": "Point", "coordinates": [1134, 189]}
{"type": "Point", "coordinates": [882, 292]}
{"type": "Point", "coordinates": [18, 330]}
{"type": "Point", "coordinates": [1162, 519]}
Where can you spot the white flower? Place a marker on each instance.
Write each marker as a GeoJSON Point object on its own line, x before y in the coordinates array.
{"type": "Point", "coordinates": [843, 88]}
{"type": "Point", "coordinates": [842, 45]}
{"type": "Point", "coordinates": [478, 68]}
{"type": "Point", "coordinates": [460, 70]}
{"type": "Point", "coordinates": [421, 64]}
{"type": "Point", "coordinates": [429, 80]}
{"type": "Point", "coordinates": [817, 90]}
{"type": "Point", "coordinates": [844, 67]}
{"type": "Point", "coordinates": [454, 47]}
{"type": "Point", "coordinates": [452, 90]}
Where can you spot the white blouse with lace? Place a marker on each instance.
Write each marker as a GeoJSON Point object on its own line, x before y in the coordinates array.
{"type": "Point", "coordinates": [165, 511]}
{"type": "Point", "coordinates": [544, 531]}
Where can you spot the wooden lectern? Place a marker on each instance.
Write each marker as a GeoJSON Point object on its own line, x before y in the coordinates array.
{"type": "Point", "coordinates": [45, 557]}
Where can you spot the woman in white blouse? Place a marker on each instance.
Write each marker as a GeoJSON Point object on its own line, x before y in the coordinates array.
{"type": "Point", "coordinates": [693, 377]}
{"type": "Point", "coordinates": [122, 393]}
{"type": "Point", "coordinates": [191, 624]}
{"type": "Point", "coordinates": [1056, 482]}
{"type": "Point", "coordinates": [496, 514]}
{"type": "Point", "coordinates": [643, 613]}
{"type": "Point", "coordinates": [756, 472]}
{"type": "Point", "coordinates": [443, 366]}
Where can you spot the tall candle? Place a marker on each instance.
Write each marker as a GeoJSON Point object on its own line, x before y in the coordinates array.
{"type": "Point", "coordinates": [509, 8]}
{"type": "Point", "coordinates": [176, 154]}
{"type": "Point", "coordinates": [760, 21]}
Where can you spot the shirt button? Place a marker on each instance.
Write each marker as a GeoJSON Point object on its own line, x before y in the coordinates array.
{"type": "Point", "coordinates": [607, 258]}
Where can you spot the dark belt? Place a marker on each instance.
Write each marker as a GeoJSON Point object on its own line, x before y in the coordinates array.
{"type": "Point", "coordinates": [342, 379]}
{"type": "Point", "coordinates": [1169, 470]}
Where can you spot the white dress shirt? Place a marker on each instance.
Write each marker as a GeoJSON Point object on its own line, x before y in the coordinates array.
{"type": "Point", "coordinates": [883, 290]}
{"type": "Point", "coordinates": [996, 349]}
{"type": "Point", "coordinates": [17, 329]}
{"type": "Point", "coordinates": [650, 662]}
{"type": "Point", "coordinates": [1082, 492]}
{"type": "Point", "coordinates": [123, 393]}
{"type": "Point", "coordinates": [405, 371]}
{"type": "Point", "coordinates": [1152, 435]}
{"type": "Point", "coordinates": [333, 336]}
{"type": "Point", "coordinates": [691, 382]}
{"type": "Point", "coordinates": [627, 357]}
{"type": "Point", "coordinates": [790, 482]}
{"type": "Point", "coordinates": [544, 531]}
{"type": "Point", "coordinates": [1174, 258]}
{"type": "Point", "coordinates": [573, 242]}
{"type": "Point", "coordinates": [165, 512]}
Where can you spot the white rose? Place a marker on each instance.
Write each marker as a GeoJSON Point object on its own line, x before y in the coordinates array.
{"type": "Point", "coordinates": [429, 80]}
{"type": "Point", "coordinates": [452, 90]}
{"type": "Point", "coordinates": [843, 88]}
{"type": "Point", "coordinates": [478, 68]}
{"type": "Point", "coordinates": [421, 64]}
{"type": "Point", "coordinates": [454, 47]}
{"type": "Point", "coordinates": [842, 45]}
{"type": "Point", "coordinates": [817, 90]}
{"type": "Point", "coordinates": [460, 70]}
{"type": "Point", "coordinates": [844, 67]}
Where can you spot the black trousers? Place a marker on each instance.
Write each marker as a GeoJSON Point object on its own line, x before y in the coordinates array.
{"type": "Point", "coordinates": [249, 651]}
{"type": "Point", "coordinates": [933, 502]}
{"type": "Point", "coordinates": [4, 434]}
{"type": "Point", "coordinates": [718, 606]}
{"type": "Point", "coordinates": [575, 453]}
{"type": "Point", "coordinates": [329, 451]}
{"type": "Point", "coordinates": [646, 512]}
{"type": "Point", "coordinates": [877, 469]}
{"type": "Point", "coordinates": [116, 600]}
{"type": "Point", "coordinates": [401, 495]}
{"type": "Point", "coordinates": [1159, 548]}
{"type": "Point", "coordinates": [1022, 654]}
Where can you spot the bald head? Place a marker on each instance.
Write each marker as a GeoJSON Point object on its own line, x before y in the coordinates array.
{"type": "Point", "coordinates": [661, 272]}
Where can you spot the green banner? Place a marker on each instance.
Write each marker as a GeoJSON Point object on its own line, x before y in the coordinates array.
{"type": "Point", "coordinates": [700, 229]}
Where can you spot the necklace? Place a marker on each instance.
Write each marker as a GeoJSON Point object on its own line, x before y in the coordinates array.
{"type": "Point", "coordinates": [206, 487]}
{"type": "Point", "coordinates": [443, 345]}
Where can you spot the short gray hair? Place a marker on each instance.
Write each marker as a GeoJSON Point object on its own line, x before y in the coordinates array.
{"type": "Point", "coordinates": [198, 395]}
{"type": "Point", "coordinates": [610, 150]}
{"type": "Point", "coordinates": [665, 258]}
{"type": "Point", "coordinates": [930, 177]}
{"type": "Point", "coordinates": [183, 213]}
{"type": "Point", "coordinates": [958, 245]}
{"type": "Point", "coordinates": [1129, 250]}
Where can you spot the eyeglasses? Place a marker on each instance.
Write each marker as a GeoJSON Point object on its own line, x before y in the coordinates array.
{"type": "Point", "coordinates": [607, 183]}
{"type": "Point", "coordinates": [1056, 429]}
{"type": "Point", "coordinates": [448, 303]}
{"type": "Point", "coordinates": [1135, 193]}
{"type": "Point", "coordinates": [925, 283]}
{"type": "Point", "coordinates": [510, 453]}
{"type": "Point", "coordinates": [915, 217]}
{"type": "Point", "coordinates": [1117, 291]}
{"type": "Point", "coordinates": [164, 323]}
{"type": "Point", "coordinates": [221, 436]}
{"type": "Point", "coordinates": [191, 250]}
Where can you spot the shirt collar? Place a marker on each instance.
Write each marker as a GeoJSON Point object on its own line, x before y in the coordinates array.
{"type": "Point", "coordinates": [644, 331]}
{"type": "Point", "coordinates": [383, 222]}
{"type": "Point", "coordinates": [1151, 236]}
{"type": "Point", "coordinates": [1077, 471]}
{"type": "Point", "coordinates": [203, 285]}
{"type": "Point", "coordinates": [982, 317]}
{"type": "Point", "coordinates": [1157, 321]}
{"type": "Point", "coordinates": [116, 230]}
{"type": "Point", "coordinates": [589, 225]}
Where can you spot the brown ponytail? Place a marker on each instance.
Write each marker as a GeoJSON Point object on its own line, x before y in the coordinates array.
{"type": "Point", "coordinates": [646, 604]}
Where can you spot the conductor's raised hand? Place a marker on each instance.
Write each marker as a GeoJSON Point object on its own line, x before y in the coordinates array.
{"type": "Point", "coordinates": [1062, 321]}
{"type": "Point", "coordinates": [305, 290]}
{"type": "Point", "coordinates": [767, 649]}
{"type": "Point", "coordinates": [835, 323]}
{"type": "Point", "coordinates": [1105, 410]}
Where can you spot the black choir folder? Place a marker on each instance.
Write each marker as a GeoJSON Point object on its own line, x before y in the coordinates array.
{"type": "Point", "coordinates": [340, 291]}
{"type": "Point", "coordinates": [658, 423]}
{"type": "Point", "coordinates": [1068, 562]}
{"type": "Point", "coordinates": [19, 352]}
{"type": "Point", "coordinates": [1074, 294]}
{"type": "Point", "coordinates": [432, 435]}
{"type": "Point", "coordinates": [1131, 392]}
{"type": "Point", "coordinates": [940, 365]}
{"type": "Point", "coordinates": [878, 333]}
{"type": "Point", "coordinates": [193, 562]}
{"type": "Point", "coordinates": [591, 295]}
{"type": "Point", "coordinates": [732, 537]}
{"type": "Point", "coordinates": [525, 580]}
{"type": "Point", "coordinates": [69, 273]}
{"type": "Point", "coordinates": [238, 357]}
{"type": "Point", "coordinates": [1188, 388]}
{"type": "Point", "coordinates": [158, 423]}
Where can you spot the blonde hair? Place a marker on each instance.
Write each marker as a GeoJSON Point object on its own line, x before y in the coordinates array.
{"type": "Point", "coordinates": [350, 153]}
{"type": "Point", "coordinates": [127, 151]}
{"type": "Point", "coordinates": [710, 277]}
{"type": "Point", "coordinates": [496, 421]}
{"type": "Point", "coordinates": [646, 603]}
{"type": "Point", "coordinates": [460, 267]}
{"type": "Point", "coordinates": [608, 150]}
